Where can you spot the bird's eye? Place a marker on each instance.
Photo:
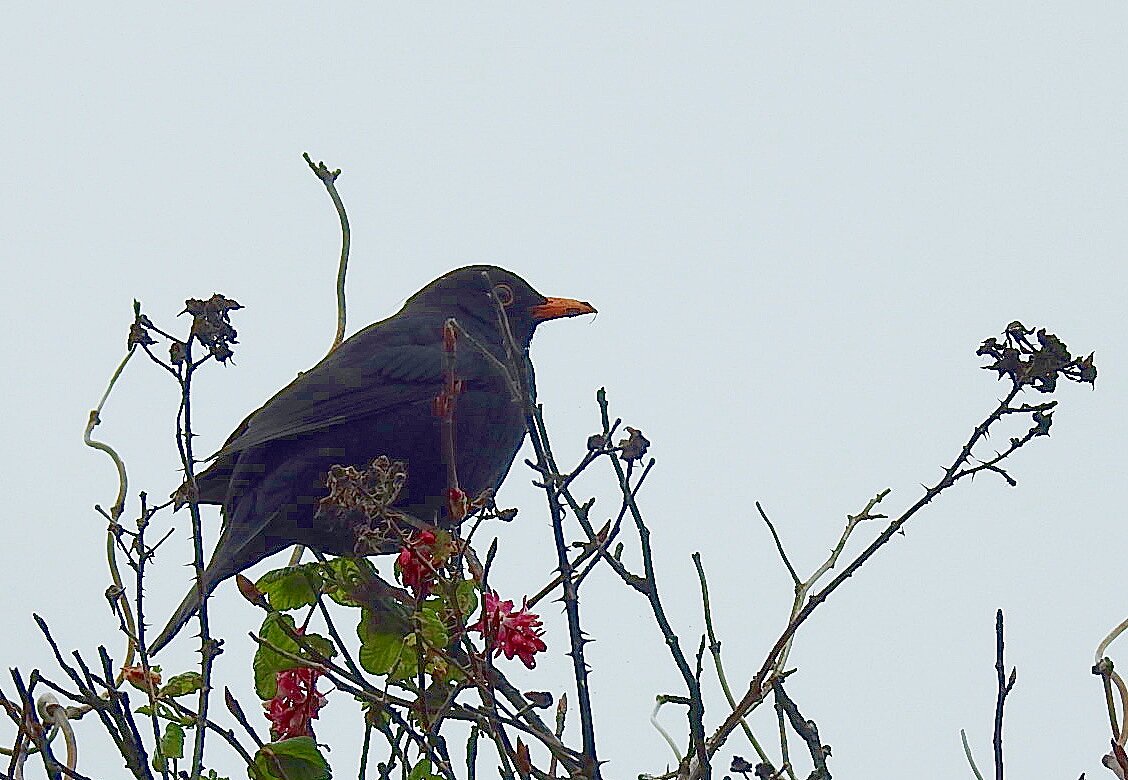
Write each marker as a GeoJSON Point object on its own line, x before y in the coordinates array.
{"type": "Point", "coordinates": [503, 293]}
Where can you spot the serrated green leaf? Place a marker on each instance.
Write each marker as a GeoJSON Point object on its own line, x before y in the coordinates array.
{"type": "Point", "coordinates": [291, 759]}
{"type": "Point", "coordinates": [380, 652]}
{"type": "Point", "coordinates": [407, 666]}
{"type": "Point", "coordinates": [292, 587]}
{"type": "Point", "coordinates": [183, 684]}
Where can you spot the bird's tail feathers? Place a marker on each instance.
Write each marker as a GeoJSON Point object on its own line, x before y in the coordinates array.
{"type": "Point", "coordinates": [230, 557]}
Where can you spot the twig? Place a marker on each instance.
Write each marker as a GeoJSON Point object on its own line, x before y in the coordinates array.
{"type": "Point", "coordinates": [779, 546]}
{"type": "Point", "coordinates": [93, 421]}
{"type": "Point", "coordinates": [118, 507]}
{"type": "Point", "coordinates": [364, 748]}
{"type": "Point", "coordinates": [1005, 685]}
{"type": "Point", "coordinates": [517, 362]}
{"type": "Point", "coordinates": [970, 757]}
{"type": "Point", "coordinates": [329, 179]}
{"type": "Point", "coordinates": [50, 710]}
{"type": "Point", "coordinates": [590, 548]}
{"type": "Point", "coordinates": [659, 701]}
{"type": "Point", "coordinates": [1108, 640]}
{"type": "Point", "coordinates": [209, 649]}
{"type": "Point", "coordinates": [806, 729]}
{"type": "Point", "coordinates": [802, 589]}
{"type": "Point", "coordinates": [715, 650]}
{"type": "Point", "coordinates": [227, 735]}
{"type": "Point", "coordinates": [698, 749]}
{"type": "Point", "coordinates": [236, 709]}
{"type": "Point", "coordinates": [1122, 690]}
{"type": "Point", "coordinates": [139, 597]}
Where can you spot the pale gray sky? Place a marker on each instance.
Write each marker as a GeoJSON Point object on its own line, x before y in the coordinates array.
{"type": "Point", "coordinates": [797, 222]}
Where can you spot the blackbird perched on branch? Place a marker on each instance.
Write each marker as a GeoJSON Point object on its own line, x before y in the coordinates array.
{"type": "Point", "coordinates": [373, 396]}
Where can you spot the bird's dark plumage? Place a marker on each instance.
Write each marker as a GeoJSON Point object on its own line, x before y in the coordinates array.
{"type": "Point", "coordinates": [373, 396]}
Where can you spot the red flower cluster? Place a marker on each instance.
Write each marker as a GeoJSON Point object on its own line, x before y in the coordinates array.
{"type": "Point", "coordinates": [416, 563]}
{"type": "Point", "coordinates": [513, 633]}
{"type": "Point", "coordinates": [295, 704]}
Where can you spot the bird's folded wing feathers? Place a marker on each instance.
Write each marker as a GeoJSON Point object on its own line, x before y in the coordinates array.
{"type": "Point", "coordinates": [359, 379]}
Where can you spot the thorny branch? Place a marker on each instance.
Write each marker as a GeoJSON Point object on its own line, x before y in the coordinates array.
{"type": "Point", "coordinates": [517, 363]}
{"type": "Point", "coordinates": [1028, 365]}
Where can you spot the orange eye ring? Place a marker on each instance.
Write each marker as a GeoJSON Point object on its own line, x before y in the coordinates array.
{"type": "Point", "coordinates": [504, 294]}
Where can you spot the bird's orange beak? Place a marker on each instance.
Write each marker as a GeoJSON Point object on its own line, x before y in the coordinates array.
{"type": "Point", "coordinates": [552, 308]}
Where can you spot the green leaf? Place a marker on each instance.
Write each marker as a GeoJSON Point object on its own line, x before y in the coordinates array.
{"type": "Point", "coordinates": [384, 617]}
{"type": "Point", "coordinates": [322, 645]}
{"type": "Point", "coordinates": [407, 666]}
{"type": "Point", "coordinates": [422, 771]}
{"type": "Point", "coordinates": [292, 587]}
{"type": "Point", "coordinates": [380, 652]}
{"type": "Point", "coordinates": [443, 548]}
{"type": "Point", "coordinates": [347, 579]}
{"type": "Point", "coordinates": [276, 630]}
{"type": "Point", "coordinates": [432, 628]}
{"type": "Point", "coordinates": [466, 594]}
{"type": "Point", "coordinates": [291, 759]}
{"type": "Point", "coordinates": [183, 684]}
{"type": "Point", "coordinates": [172, 743]}
{"type": "Point", "coordinates": [171, 746]}
{"type": "Point", "coordinates": [165, 712]}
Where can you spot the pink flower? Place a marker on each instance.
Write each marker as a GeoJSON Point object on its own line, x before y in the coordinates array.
{"type": "Point", "coordinates": [295, 704]}
{"type": "Point", "coordinates": [416, 564]}
{"type": "Point", "coordinates": [513, 633]}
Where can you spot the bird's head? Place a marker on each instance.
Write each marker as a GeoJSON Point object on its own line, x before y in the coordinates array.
{"type": "Point", "coordinates": [475, 292]}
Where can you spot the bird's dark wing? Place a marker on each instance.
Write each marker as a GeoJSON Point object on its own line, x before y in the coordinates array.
{"type": "Point", "coordinates": [389, 365]}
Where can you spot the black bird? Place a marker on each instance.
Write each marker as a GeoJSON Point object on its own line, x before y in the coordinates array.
{"type": "Point", "coordinates": [372, 396]}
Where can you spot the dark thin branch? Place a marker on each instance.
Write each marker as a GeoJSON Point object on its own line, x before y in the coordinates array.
{"type": "Point", "coordinates": [1005, 684]}
{"type": "Point", "coordinates": [779, 546]}
{"type": "Point", "coordinates": [236, 710]}
{"type": "Point", "coordinates": [226, 734]}
{"type": "Point", "coordinates": [209, 648]}
{"type": "Point", "coordinates": [715, 651]}
{"type": "Point", "coordinates": [807, 731]}
{"type": "Point", "coordinates": [698, 748]}
{"type": "Point", "coordinates": [143, 556]}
